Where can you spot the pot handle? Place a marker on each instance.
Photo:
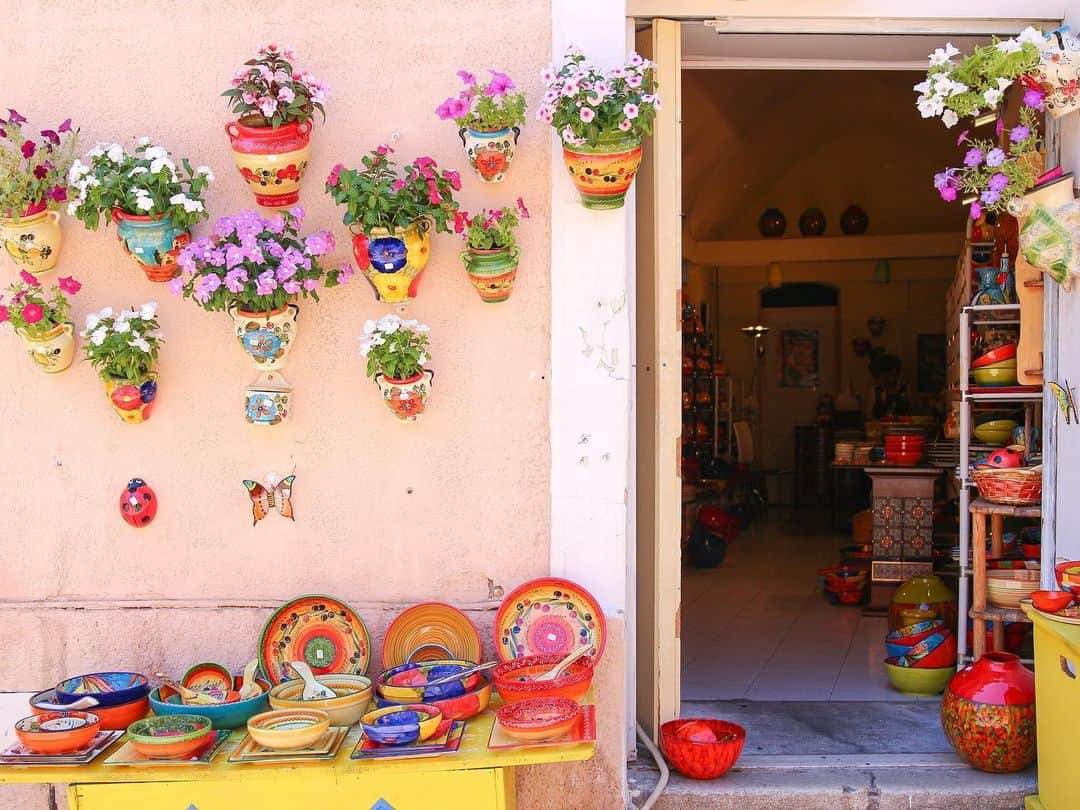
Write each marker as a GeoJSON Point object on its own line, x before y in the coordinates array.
{"type": "Point", "coordinates": [461, 134]}
{"type": "Point", "coordinates": [423, 224]}
{"type": "Point", "coordinates": [55, 216]}
{"type": "Point", "coordinates": [430, 374]}
{"type": "Point", "coordinates": [517, 133]}
{"type": "Point", "coordinates": [304, 128]}
{"type": "Point", "coordinates": [232, 130]}
{"type": "Point", "coordinates": [466, 258]}
{"type": "Point", "coordinates": [115, 214]}
{"type": "Point", "coordinates": [295, 309]}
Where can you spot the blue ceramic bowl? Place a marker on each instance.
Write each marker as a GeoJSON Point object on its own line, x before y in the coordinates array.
{"type": "Point", "coordinates": [108, 688]}
{"type": "Point", "coordinates": [401, 725]}
{"type": "Point", "coordinates": [164, 701]}
{"type": "Point", "coordinates": [392, 686]}
{"type": "Point", "coordinates": [900, 642]}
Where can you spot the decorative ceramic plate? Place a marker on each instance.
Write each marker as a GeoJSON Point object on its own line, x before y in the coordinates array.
{"type": "Point", "coordinates": [446, 743]}
{"type": "Point", "coordinates": [583, 731]}
{"type": "Point", "coordinates": [430, 631]}
{"type": "Point", "coordinates": [326, 748]}
{"type": "Point", "coordinates": [19, 754]}
{"type": "Point", "coordinates": [548, 616]}
{"type": "Point", "coordinates": [1069, 615]}
{"type": "Point", "coordinates": [321, 631]}
{"type": "Point", "coordinates": [127, 755]}
{"type": "Point", "coordinates": [207, 677]}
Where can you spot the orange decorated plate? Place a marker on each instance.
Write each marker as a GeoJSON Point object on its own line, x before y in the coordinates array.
{"type": "Point", "coordinates": [549, 616]}
{"type": "Point", "coordinates": [430, 631]}
{"type": "Point", "coordinates": [322, 631]}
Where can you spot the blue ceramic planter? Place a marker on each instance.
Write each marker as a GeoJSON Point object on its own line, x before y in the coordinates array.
{"type": "Point", "coordinates": [154, 243]}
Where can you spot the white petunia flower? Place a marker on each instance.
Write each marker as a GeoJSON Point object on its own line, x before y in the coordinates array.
{"type": "Point", "coordinates": [115, 153]}
{"type": "Point", "coordinates": [107, 312]}
{"type": "Point", "coordinates": [942, 56]}
{"type": "Point", "coordinates": [422, 327]}
{"type": "Point", "coordinates": [148, 310]}
{"type": "Point", "coordinates": [369, 326]}
{"type": "Point", "coordinates": [137, 171]}
{"type": "Point", "coordinates": [98, 337]}
{"type": "Point", "coordinates": [389, 324]}
{"type": "Point", "coordinates": [156, 153]}
{"type": "Point", "coordinates": [122, 327]}
{"type": "Point", "coordinates": [922, 87]}
{"type": "Point", "coordinates": [140, 343]}
{"type": "Point", "coordinates": [144, 140]}
{"type": "Point", "coordinates": [72, 208]}
{"type": "Point", "coordinates": [1008, 46]}
{"type": "Point", "coordinates": [950, 118]}
{"type": "Point", "coordinates": [160, 163]}
{"type": "Point", "coordinates": [1032, 36]}
{"type": "Point", "coordinates": [423, 358]}
{"type": "Point", "coordinates": [97, 151]}
{"type": "Point", "coordinates": [178, 199]}
{"type": "Point", "coordinates": [930, 106]}
{"type": "Point", "coordinates": [205, 172]}
{"type": "Point", "coordinates": [992, 97]}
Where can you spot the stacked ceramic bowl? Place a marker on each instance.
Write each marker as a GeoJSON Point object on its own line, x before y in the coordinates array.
{"type": "Point", "coordinates": [1005, 588]}
{"type": "Point", "coordinates": [1068, 576]}
{"type": "Point", "coordinates": [904, 447]}
{"type": "Point", "coordinates": [921, 657]}
{"type": "Point", "coordinates": [996, 368]}
{"type": "Point", "coordinates": [458, 699]}
{"type": "Point", "coordinates": [845, 584]}
{"type": "Point", "coordinates": [861, 456]}
{"type": "Point", "coordinates": [844, 452]}
{"type": "Point", "coordinates": [119, 698]}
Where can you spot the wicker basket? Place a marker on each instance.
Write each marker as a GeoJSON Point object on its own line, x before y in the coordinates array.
{"type": "Point", "coordinates": [1012, 487]}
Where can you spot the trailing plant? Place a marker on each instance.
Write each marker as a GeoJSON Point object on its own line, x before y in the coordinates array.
{"type": "Point", "coordinates": [491, 229]}
{"type": "Point", "coordinates": [144, 182]}
{"type": "Point", "coordinates": [124, 345]}
{"type": "Point", "coordinates": [583, 102]}
{"type": "Point", "coordinates": [396, 348]}
{"type": "Point", "coordinates": [268, 91]}
{"type": "Point", "coordinates": [256, 263]}
{"type": "Point", "coordinates": [33, 171]}
{"type": "Point", "coordinates": [29, 309]}
{"type": "Point", "coordinates": [485, 107]}
{"type": "Point", "coordinates": [381, 196]}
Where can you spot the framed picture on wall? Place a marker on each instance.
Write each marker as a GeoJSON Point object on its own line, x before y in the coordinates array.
{"type": "Point", "coordinates": [799, 358]}
{"type": "Point", "coordinates": [930, 365]}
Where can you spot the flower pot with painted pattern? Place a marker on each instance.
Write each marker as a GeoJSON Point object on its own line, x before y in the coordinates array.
{"type": "Point", "coordinates": [603, 173]}
{"type": "Point", "coordinates": [406, 399]}
{"type": "Point", "coordinates": [267, 337]}
{"type": "Point", "coordinates": [393, 262]}
{"type": "Point", "coordinates": [132, 399]}
{"type": "Point", "coordinates": [32, 240]}
{"type": "Point", "coordinates": [490, 151]}
{"type": "Point", "coordinates": [53, 351]}
{"type": "Point", "coordinates": [153, 242]}
{"type": "Point", "coordinates": [492, 272]}
{"type": "Point", "coordinates": [271, 160]}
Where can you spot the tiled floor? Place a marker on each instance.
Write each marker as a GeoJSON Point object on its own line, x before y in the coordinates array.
{"type": "Point", "coordinates": [758, 627]}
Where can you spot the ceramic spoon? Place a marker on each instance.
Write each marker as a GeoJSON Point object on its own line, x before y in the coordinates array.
{"type": "Point", "coordinates": [459, 675]}
{"type": "Point", "coordinates": [248, 687]}
{"type": "Point", "coordinates": [313, 690]}
{"type": "Point", "coordinates": [554, 673]}
{"type": "Point", "coordinates": [80, 705]}
{"type": "Point", "coordinates": [190, 696]}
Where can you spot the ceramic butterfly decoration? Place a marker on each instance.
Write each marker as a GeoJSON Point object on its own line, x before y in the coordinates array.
{"type": "Point", "coordinates": [271, 495]}
{"type": "Point", "coordinates": [1064, 397]}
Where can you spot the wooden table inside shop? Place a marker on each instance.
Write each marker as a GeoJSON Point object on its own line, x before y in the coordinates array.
{"type": "Point", "coordinates": [474, 778]}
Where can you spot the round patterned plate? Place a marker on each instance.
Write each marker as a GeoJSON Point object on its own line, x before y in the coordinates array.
{"type": "Point", "coordinates": [321, 631]}
{"type": "Point", "coordinates": [548, 616]}
{"type": "Point", "coordinates": [207, 677]}
{"type": "Point", "coordinates": [430, 631]}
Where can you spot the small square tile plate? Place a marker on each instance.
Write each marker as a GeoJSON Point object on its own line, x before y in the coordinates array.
{"type": "Point", "coordinates": [326, 748]}
{"type": "Point", "coordinates": [584, 731]}
{"type": "Point", "coordinates": [18, 754]}
{"type": "Point", "coordinates": [447, 743]}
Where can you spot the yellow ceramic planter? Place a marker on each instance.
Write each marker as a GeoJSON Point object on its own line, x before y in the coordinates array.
{"type": "Point", "coordinates": [53, 351]}
{"type": "Point", "coordinates": [33, 241]}
{"type": "Point", "coordinates": [272, 161]}
{"type": "Point", "coordinates": [393, 262]}
{"type": "Point", "coordinates": [603, 173]}
{"type": "Point", "coordinates": [267, 337]}
{"type": "Point", "coordinates": [132, 399]}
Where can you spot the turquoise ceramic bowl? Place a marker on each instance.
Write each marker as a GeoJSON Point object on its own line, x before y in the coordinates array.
{"type": "Point", "coordinates": [164, 701]}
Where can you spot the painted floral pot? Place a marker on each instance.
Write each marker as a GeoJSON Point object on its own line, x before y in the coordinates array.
{"type": "Point", "coordinates": [1058, 74]}
{"type": "Point", "coordinates": [392, 262]}
{"type": "Point", "coordinates": [33, 240]}
{"type": "Point", "coordinates": [492, 272]}
{"type": "Point", "coordinates": [490, 151]}
{"type": "Point", "coordinates": [603, 173]}
{"type": "Point", "coordinates": [267, 401]}
{"type": "Point", "coordinates": [272, 161]}
{"type": "Point", "coordinates": [406, 399]}
{"type": "Point", "coordinates": [53, 351]}
{"type": "Point", "coordinates": [154, 242]}
{"type": "Point", "coordinates": [133, 399]}
{"type": "Point", "coordinates": [267, 337]}
{"type": "Point", "coordinates": [988, 713]}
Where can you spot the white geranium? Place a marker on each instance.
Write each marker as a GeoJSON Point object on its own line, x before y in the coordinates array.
{"type": "Point", "coordinates": [98, 337]}
{"type": "Point", "coordinates": [156, 153]}
{"type": "Point", "coordinates": [157, 164]}
{"type": "Point", "coordinates": [137, 171]}
{"type": "Point", "coordinates": [144, 140]}
{"type": "Point", "coordinates": [205, 172]}
{"type": "Point", "coordinates": [1032, 36]}
{"type": "Point", "coordinates": [144, 203]}
{"type": "Point", "coordinates": [115, 153]}
{"type": "Point", "coordinates": [148, 310]}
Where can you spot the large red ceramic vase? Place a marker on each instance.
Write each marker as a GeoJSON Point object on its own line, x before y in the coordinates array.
{"type": "Point", "coordinates": [271, 160]}
{"type": "Point", "coordinates": [988, 712]}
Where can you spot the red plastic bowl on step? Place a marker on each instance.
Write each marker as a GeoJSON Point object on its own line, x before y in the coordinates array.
{"type": "Point", "coordinates": [702, 749]}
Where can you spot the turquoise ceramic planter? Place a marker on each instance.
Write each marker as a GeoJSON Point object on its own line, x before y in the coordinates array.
{"type": "Point", "coordinates": [154, 242]}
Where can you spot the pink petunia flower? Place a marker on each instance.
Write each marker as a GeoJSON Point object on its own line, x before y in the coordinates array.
{"type": "Point", "coordinates": [454, 178]}
{"type": "Point", "coordinates": [29, 278]}
{"type": "Point", "coordinates": [466, 77]}
{"type": "Point", "coordinates": [4, 314]}
{"type": "Point", "coordinates": [69, 285]}
{"type": "Point", "coordinates": [32, 313]}
{"type": "Point", "coordinates": [28, 149]}
{"type": "Point", "coordinates": [521, 208]}
{"type": "Point", "coordinates": [334, 177]}
{"type": "Point", "coordinates": [65, 127]}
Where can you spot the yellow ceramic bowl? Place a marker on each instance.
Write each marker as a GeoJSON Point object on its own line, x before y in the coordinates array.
{"type": "Point", "coordinates": [1010, 363]}
{"type": "Point", "coordinates": [352, 696]}
{"type": "Point", "coordinates": [288, 729]}
{"type": "Point", "coordinates": [990, 376]}
{"type": "Point", "coordinates": [919, 680]}
{"type": "Point", "coordinates": [996, 431]}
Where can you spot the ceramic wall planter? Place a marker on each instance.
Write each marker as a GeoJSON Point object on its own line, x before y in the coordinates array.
{"type": "Point", "coordinates": [988, 713]}
{"type": "Point", "coordinates": [490, 152]}
{"type": "Point", "coordinates": [154, 242]}
{"type": "Point", "coordinates": [603, 173]}
{"type": "Point", "coordinates": [406, 399]}
{"type": "Point", "coordinates": [492, 272]}
{"type": "Point", "coordinates": [54, 351]}
{"type": "Point", "coordinates": [267, 337]}
{"type": "Point", "coordinates": [393, 262]}
{"type": "Point", "coordinates": [133, 399]}
{"type": "Point", "coordinates": [33, 240]}
{"type": "Point", "coordinates": [271, 160]}
{"type": "Point", "coordinates": [268, 400]}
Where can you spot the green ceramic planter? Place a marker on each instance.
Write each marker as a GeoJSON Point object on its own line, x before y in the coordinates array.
{"type": "Point", "coordinates": [603, 173]}
{"type": "Point", "coordinates": [492, 272]}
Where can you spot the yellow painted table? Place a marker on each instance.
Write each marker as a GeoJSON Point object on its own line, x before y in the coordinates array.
{"type": "Point", "coordinates": [474, 778]}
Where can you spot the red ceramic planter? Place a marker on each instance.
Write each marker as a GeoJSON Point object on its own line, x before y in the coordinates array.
{"type": "Point", "coordinates": [988, 713]}
{"type": "Point", "coordinates": [271, 160]}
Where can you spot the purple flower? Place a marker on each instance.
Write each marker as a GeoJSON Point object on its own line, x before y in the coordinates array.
{"type": "Point", "coordinates": [15, 118]}
{"type": "Point", "coordinates": [50, 136]}
{"type": "Point", "coordinates": [234, 280]}
{"type": "Point", "coordinates": [942, 180]}
{"type": "Point", "coordinates": [976, 210]}
{"type": "Point", "coordinates": [234, 255]}
{"type": "Point", "coordinates": [1033, 98]}
{"type": "Point", "coordinates": [65, 127]}
{"type": "Point", "coordinates": [297, 214]}
{"type": "Point", "coordinates": [990, 197]}
{"type": "Point", "coordinates": [466, 77]}
{"type": "Point", "coordinates": [995, 157]}
{"type": "Point", "coordinates": [310, 284]}
{"type": "Point", "coordinates": [254, 255]}
{"type": "Point", "coordinates": [1019, 133]}
{"type": "Point", "coordinates": [973, 157]}
{"type": "Point", "coordinates": [176, 286]}
{"type": "Point", "coordinates": [216, 257]}
{"type": "Point", "coordinates": [292, 286]}
{"type": "Point", "coordinates": [276, 225]}
{"type": "Point", "coordinates": [319, 243]}
{"type": "Point", "coordinates": [286, 271]}
{"type": "Point", "coordinates": [499, 85]}
{"type": "Point", "coordinates": [998, 182]}
{"type": "Point", "coordinates": [948, 193]}
{"type": "Point", "coordinates": [274, 249]}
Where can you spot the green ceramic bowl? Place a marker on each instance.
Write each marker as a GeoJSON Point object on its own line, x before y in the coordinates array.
{"type": "Point", "coordinates": [918, 680]}
{"type": "Point", "coordinates": [169, 728]}
{"type": "Point", "coordinates": [991, 377]}
{"type": "Point", "coordinates": [996, 431]}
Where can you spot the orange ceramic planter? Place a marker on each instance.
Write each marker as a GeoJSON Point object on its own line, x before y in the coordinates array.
{"type": "Point", "coordinates": [603, 173]}
{"type": "Point", "coordinates": [272, 161]}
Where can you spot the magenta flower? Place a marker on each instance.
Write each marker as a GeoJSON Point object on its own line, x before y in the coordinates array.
{"type": "Point", "coordinates": [454, 178]}
{"type": "Point", "coordinates": [28, 149]}
{"type": "Point", "coordinates": [995, 157]}
{"type": "Point", "coordinates": [32, 313]}
{"type": "Point", "coordinates": [1019, 133]}
{"type": "Point", "coordinates": [443, 110]}
{"type": "Point", "coordinates": [40, 171]}
{"type": "Point", "coordinates": [976, 210]}
{"type": "Point", "coordinates": [998, 182]}
{"type": "Point", "coordinates": [4, 314]}
{"type": "Point", "coordinates": [15, 118]}
{"type": "Point", "coordinates": [69, 285]}
{"type": "Point", "coordinates": [962, 137]}
{"type": "Point", "coordinates": [383, 149]}
{"type": "Point", "coordinates": [1033, 98]}
{"type": "Point", "coordinates": [973, 157]}
{"type": "Point", "coordinates": [999, 125]}
{"type": "Point", "coordinates": [29, 278]}
{"type": "Point", "coordinates": [423, 162]}
{"type": "Point", "coordinates": [466, 77]}
{"type": "Point", "coordinates": [433, 193]}
{"type": "Point", "coordinates": [398, 184]}
{"type": "Point", "coordinates": [499, 85]}
{"type": "Point", "coordinates": [522, 209]}
{"type": "Point", "coordinates": [334, 177]}
{"type": "Point", "coordinates": [948, 193]}
{"type": "Point", "coordinates": [57, 193]}
{"type": "Point", "coordinates": [176, 285]}
{"type": "Point", "coordinates": [65, 127]}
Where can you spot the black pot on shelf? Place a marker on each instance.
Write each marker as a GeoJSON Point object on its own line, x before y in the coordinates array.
{"type": "Point", "coordinates": [854, 221]}
{"type": "Point", "coordinates": [772, 223]}
{"type": "Point", "coordinates": [812, 222]}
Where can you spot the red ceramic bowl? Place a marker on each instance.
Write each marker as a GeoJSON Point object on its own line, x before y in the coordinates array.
{"type": "Point", "coordinates": [851, 597]}
{"type": "Point", "coordinates": [539, 719]}
{"type": "Point", "coordinates": [943, 655]}
{"type": "Point", "coordinates": [57, 732]}
{"type": "Point", "coordinates": [514, 679]}
{"type": "Point", "coordinates": [699, 758]}
{"type": "Point", "coordinates": [1032, 551]}
{"type": "Point", "coordinates": [1051, 601]}
{"type": "Point", "coordinates": [1059, 570]}
{"type": "Point", "coordinates": [1006, 352]}
{"type": "Point", "coordinates": [113, 718]}
{"type": "Point", "coordinates": [904, 459]}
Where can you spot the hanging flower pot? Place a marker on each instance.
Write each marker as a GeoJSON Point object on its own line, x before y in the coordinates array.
{"type": "Point", "coordinates": [123, 347]}
{"type": "Point", "coordinates": [406, 399]}
{"type": "Point", "coordinates": [154, 242]}
{"type": "Point", "coordinates": [392, 261]}
{"type": "Point", "coordinates": [492, 254]}
{"type": "Point", "coordinates": [396, 351]}
{"type": "Point", "coordinates": [41, 320]}
{"type": "Point", "coordinates": [53, 351]}
{"type": "Point", "coordinates": [1057, 75]}
{"type": "Point", "coordinates": [33, 240]}
{"type": "Point", "coordinates": [488, 118]}
{"type": "Point", "coordinates": [988, 713]}
{"type": "Point", "coordinates": [267, 336]}
{"type": "Point", "coordinates": [492, 272]}
{"type": "Point", "coordinates": [271, 161]}
{"type": "Point", "coordinates": [132, 399]}
{"type": "Point", "coordinates": [603, 173]}
{"type": "Point", "coordinates": [267, 401]}
{"type": "Point", "coordinates": [490, 152]}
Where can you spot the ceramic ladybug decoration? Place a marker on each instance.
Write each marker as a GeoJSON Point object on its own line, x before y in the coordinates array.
{"type": "Point", "coordinates": [138, 503]}
{"type": "Point", "coordinates": [1006, 457]}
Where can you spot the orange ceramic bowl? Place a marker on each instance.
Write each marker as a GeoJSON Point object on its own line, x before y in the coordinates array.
{"type": "Point", "coordinates": [113, 718]}
{"type": "Point", "coordinates": [57, 732]}
{"type": "Point", "coordinates": [1051, 601]}
{"type": "Point", "coordinates": [515, 679]}
{"type": "Point", "coordinates": [538, 719]}
{"type": "Point", "coordinates": [170, 736]}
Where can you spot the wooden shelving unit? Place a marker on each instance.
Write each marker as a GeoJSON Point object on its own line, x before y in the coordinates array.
{"type": "Point", "coordinates": [760, 252]}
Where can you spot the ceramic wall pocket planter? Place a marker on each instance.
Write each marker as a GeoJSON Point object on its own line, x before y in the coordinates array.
{"type": "Point", "coordinates": [271, 160]}
{"type": "Point", "coordinates": [603, 173]}
{"type": "Point", "coordinates": [267, 337]}
{"type": "Point", "coordinates": [53, 351]}
{"type": "Point", "coordinates": [33, 240]}
{"type": "Point", "coordinates": [268, 400]}
{"type": "Point", "coordinates": [393, 262]}
{"type": "Point", "coordinates": [492, 272]}
{"type": "Point", "coordinates": [154, 242]}
{"type": "Point", "coordinates": [406, 399]}
{"type": "Point", "coordinates": [133, 399]}
{"type": "Point", "coordinates": [490, 152]}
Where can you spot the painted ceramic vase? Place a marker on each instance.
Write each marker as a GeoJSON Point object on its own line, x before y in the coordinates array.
{"type": "Point", "coordinates": [392, 262]}
{"type": "Point", "coordinates": [490, 151]}
{"type": "Point", "coordinates": [267, 401]}
{"type": "Point", "coordinates": [929, 594]}
{"type": "Point", "coordinates": [53, 351]}
{"type": "Point", "coordinates": [772, 223]}
{"type": "Point", "coordinates": [492, 272]}
{"type": "Point", "coordinates": [812, 222]}
{"type": "Point", "coordinates": [988, 713]}
{"type": "Point", "coordinates": [133, 399]}
{"type": "Point", "coordinates": [272, 160]}
{"type": "Point", "coordinates": [33, 240]}
{"type": "Point", "coordinates": [267, 337]}
{"type": "Point", "coordinates": [406, 399]}
{"type": "Point", "coordinates": [603, 173]}
{"type": "Point", "coordinates": [154, 242]}
{"type": "Point", "coordinates": [1058, 73]}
